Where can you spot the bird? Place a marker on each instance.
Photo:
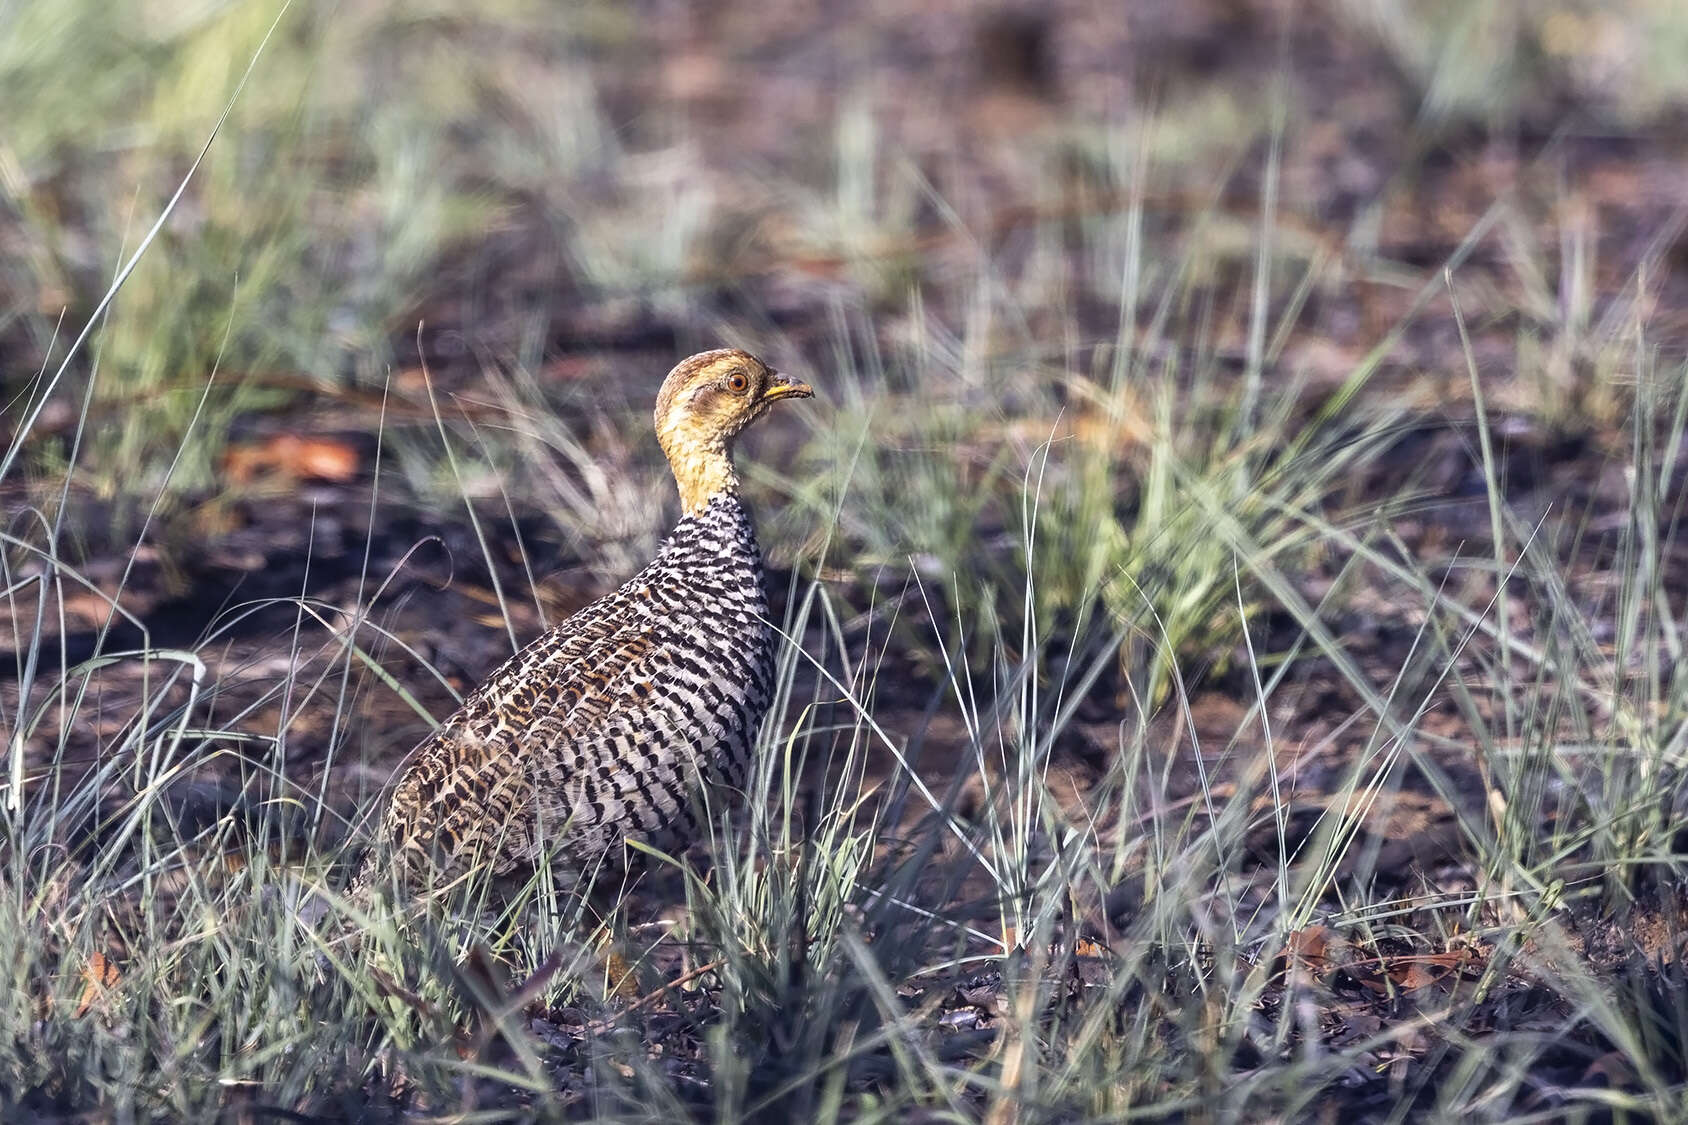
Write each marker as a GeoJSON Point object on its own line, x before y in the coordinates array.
{"type": "Point", "coordinates": [607, 728]}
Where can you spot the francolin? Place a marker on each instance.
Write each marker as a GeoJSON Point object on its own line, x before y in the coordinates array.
{"type": "Point", "coordinates": [605, 728]}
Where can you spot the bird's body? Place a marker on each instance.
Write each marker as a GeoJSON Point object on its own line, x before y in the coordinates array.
{"type": "Point", "coordinates": [610, 725]}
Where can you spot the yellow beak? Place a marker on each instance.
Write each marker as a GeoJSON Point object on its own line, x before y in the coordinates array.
{"type": "Point", "coordinates": [783, 386]}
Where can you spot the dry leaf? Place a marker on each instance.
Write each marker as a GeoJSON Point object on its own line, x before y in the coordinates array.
{"type": "Point", "coordinates": [98, 975]}
{"type": "Point", "coordinates": [1412, 972]}
{"type": "Point", "coordinates": [1312, 953]}
{"type": "Point", "coordinates": [293, 456]}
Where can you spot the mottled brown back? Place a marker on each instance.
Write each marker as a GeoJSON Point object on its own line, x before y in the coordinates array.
{"type": "Point", "coordinates": [600, 730]}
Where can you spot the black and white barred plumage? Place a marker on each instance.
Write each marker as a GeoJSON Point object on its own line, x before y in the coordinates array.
{"type": "Point", "coordinates": [604, 728]}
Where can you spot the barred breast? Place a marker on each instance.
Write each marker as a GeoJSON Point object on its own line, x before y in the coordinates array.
{"type": "Point", "coordinates": [605, 728]}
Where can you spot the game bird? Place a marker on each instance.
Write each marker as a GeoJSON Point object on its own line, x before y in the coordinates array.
{"type": "Point", "coordinates": [612, 725]}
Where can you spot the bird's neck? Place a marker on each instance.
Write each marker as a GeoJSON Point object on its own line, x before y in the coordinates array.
{"type": "Point", "coordinates": [701, 470]}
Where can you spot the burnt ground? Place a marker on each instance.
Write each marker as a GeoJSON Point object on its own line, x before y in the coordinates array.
{"type": "Point", "coordinates": [1380, 193]}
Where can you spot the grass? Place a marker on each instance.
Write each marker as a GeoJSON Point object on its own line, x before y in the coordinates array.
{"type": "Point", "coordinates": [1115, 630]}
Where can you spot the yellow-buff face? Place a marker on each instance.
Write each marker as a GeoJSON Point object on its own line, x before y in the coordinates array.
{"type": "Point", "coordinates": [704, 404]}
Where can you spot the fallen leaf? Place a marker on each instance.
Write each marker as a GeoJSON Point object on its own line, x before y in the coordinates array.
{"type": "Point", "coordinates": [1413, 976]}
{"type": "Point", "coordinates": [1312, 953]}
{"type": "Point", "coordinates": [293, 456]}
{"type": "Point", "coordinates": [98, 975]}
{"type": "Point", "coordinates": [1610, 1071]}
{"type": "Point", "coordinates": [1411, 972]}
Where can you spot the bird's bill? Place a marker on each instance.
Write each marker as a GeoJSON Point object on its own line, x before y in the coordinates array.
{"type": "Point", "coordinates": [783, 386]}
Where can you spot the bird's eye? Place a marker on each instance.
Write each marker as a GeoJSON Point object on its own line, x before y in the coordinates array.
{"type": "Point", "coordinates": [738, 383]}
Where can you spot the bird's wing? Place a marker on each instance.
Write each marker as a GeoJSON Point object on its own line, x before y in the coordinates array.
{"type": "Point", "coordinates": [514, 754]}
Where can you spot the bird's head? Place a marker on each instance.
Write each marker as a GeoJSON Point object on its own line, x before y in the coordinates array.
{"type": "Point", "coordinates": [703, 405]}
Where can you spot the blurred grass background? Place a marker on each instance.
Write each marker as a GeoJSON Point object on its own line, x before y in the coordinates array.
{"type": "Point", "coordinates": [513, 177]}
